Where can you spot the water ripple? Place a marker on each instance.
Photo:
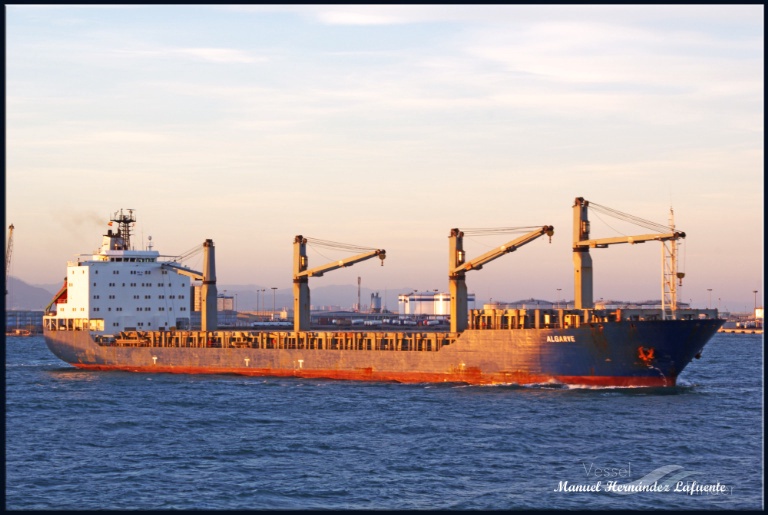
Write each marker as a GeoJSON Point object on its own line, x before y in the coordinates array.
{"type": "Point", "coordinates": [111, 440]}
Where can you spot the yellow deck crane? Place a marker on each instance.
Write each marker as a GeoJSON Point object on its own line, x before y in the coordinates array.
{"type": "Point", "coordinates": [8, 251]}
{"type": "Point", "coordinates": [301, 273]}
{"type": "Point", "coordinates": [457, 267]}
{"type": "Point", "coordinates": [582, 261]}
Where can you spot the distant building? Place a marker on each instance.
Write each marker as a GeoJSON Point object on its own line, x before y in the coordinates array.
{"type": "Point", "coordinates": [225, 308]}
{"type": "Point", "coordinates": [224, 303]}
{"type": "Point", "coordinates": [325, 308]}
{"type": "Point", "coordinates": [599, 304]}
{"type": "Point", "coordinates": [375, 303]}
{"type": "Point", "coordinates": [31, 320]}
{"type": "Point", "coordinates": [525, 304]}
{"type": "Point", "coordinates": [428, 303]}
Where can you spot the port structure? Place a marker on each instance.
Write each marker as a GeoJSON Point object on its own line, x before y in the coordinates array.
{"type": "Point", "coordinates": [8, 251]}
{"type": "Point", "coordinates": [582, 261]}
{"type": "Point", "coordinates": [301, 273]}
{"type": "Point", "coordinates": [458, 266]}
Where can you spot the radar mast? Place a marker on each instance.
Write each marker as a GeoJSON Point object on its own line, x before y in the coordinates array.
{"type": "Point", "coordinates": [124, 222]}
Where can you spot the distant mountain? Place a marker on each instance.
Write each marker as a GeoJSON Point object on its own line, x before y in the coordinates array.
{"type": "Point", "coordinates": [25, 296]}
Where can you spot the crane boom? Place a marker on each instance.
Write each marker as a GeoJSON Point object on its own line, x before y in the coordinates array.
{"type": "Point", "coordinates": [642, 238]}
{"type": "Point", "coordinates": [510, 246]}
{"type": "Point", "coordinates": [582, 261]}
{"type": "Point", "coordinates": [181, 270]}
{"type": "Point", "coordinates": [208, 315]}
{"type": "Point", "coordinates": [457, 269]}
{"type": "Point", "coordinates": [320, 270]}
{"type": "Point", "coordinates": [8, 251]}
{"type": "Point", "coordinates": [301, 275]}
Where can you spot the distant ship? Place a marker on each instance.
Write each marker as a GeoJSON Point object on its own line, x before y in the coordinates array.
{"type": "Point", "coordinates": [126, 309]}
{"type": "Point", "coordinates": [18, 332]}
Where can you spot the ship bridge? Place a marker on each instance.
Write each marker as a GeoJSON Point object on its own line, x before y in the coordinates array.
{"type": "Point", "coordinates": [126, 256]}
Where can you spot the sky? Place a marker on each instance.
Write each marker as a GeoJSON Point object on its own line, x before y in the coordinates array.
{"type": "Point", "coordinates": [386, 126]}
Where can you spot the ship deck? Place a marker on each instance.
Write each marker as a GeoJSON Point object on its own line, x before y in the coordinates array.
{"type": "Point", "coordinates": [322, 340]}
{"type": "Point", "coordinates": [416, 338]}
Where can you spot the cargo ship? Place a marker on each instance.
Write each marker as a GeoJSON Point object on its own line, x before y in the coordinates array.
{"type": "Point", "coordinates": [126, 309]}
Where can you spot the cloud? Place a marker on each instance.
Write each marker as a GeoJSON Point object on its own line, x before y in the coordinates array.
{"type": "Point", "coordinates": [217, 55]}
{"type": "Point", "coordinates": [519, 15]}
{"type": "Point", "coordinates": [289, 112]}
{"type": "Point", "coordinates": [356, 18]}
{"type": "Point", "coordinates": [214, 55]}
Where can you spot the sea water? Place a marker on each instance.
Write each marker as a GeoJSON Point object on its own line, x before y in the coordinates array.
{"type": "Point", "coordinates": [80, 440]}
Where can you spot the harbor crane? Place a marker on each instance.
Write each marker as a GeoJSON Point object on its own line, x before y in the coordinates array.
{"type": "Point", "coordinates": [458, 267]}
{"type": "Point", "coordinates": [301, 273]}
{"type": "Point", "coordinates": [8, 251]}
{"type": "Point", "coordinates": [582, 261]}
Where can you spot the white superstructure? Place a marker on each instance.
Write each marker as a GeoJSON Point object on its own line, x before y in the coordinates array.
{"type": "Point", "coordinates": [118, 288]}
